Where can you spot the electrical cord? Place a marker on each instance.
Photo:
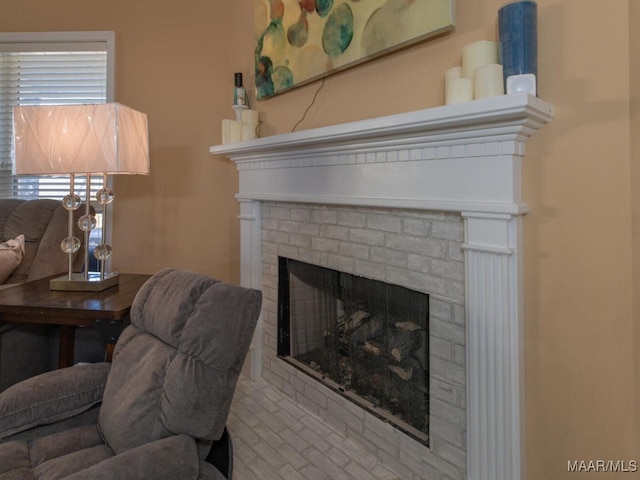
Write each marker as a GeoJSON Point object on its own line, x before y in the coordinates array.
{"type": "Point", "coordinates": [315, 95]}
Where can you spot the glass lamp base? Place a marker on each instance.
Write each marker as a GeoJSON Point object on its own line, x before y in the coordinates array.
{"type": "Point", "coordinates": [77, 283]}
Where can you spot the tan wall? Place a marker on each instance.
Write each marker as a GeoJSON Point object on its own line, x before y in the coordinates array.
{"type": "Point", "coordinates": [634, 56]}
{"type": "Point", "coordinates": [176, 61]}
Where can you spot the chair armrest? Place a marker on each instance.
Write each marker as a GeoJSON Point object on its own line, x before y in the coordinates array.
{"type": "Point", "coordinates": [51, 397]}
{"type": "Point", "coordinates": [167, 459]}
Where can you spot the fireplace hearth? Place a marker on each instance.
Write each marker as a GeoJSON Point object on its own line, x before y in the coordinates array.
{"type": "Point", "coordinates": [367, 340]}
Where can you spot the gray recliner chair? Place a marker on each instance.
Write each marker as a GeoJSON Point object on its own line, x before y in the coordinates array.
{"type": "Point", "coordinates": [158, 411]}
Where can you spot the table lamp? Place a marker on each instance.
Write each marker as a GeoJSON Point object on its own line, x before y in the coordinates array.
{"type": "Point", "coordinates": [104, 139]}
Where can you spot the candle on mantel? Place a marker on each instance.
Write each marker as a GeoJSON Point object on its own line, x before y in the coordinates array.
{"type": "Point", "coordinates": [250, 117]}
{"type": "Point", "coordinates": [488, 81]}
{"type": "Point", "coordinates": [235, 131]}
{"type": "Point", "coordinates": [458, 90]}
{"type": "Point", "coordinates": [226, 127]}
{"type": "Point", "coordinates": [250, 120]}
{"type": "Point", "coordinates": [478, 54]}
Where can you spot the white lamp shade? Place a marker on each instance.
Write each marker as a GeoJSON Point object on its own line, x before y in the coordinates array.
{"type": "Point", "coordinates": [62, 139]}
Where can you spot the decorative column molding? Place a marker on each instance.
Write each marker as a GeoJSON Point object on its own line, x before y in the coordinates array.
{"type": "Point", "coordinates": [251, 269]}
{"type": "Point", "coordinates": [495, 347]}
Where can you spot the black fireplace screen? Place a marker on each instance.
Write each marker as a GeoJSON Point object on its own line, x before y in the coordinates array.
{"type": "Point", "coordinates": [366, 339]}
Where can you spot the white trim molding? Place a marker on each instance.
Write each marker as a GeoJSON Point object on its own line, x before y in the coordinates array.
{"type": "Point", "coordinates": [464, 158]}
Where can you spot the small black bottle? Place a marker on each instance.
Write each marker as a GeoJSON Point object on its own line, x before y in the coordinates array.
{"type": "Point", "coordinates": [239, 93]}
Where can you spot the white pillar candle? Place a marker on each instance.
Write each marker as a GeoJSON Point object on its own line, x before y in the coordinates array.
{"type": "Point", "coordinates": [478, 54]}
{"type": "Point", "coordinates": [249, 132]}
{"type": "Point", "coordinates": [458, 90]}
{"type": "Point", "coordinates": [452, 74]}
{"type": "Point", "coordinates": [250, 117]}
{"type": "Point", "coordinates": [235, 131]}
{"type": "Point", "coordinates": [488, 81]}
{"type": "Point", "coordinates": [226, 126]}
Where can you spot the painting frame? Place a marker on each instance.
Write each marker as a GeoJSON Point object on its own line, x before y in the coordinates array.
{"type": "Point", "coordinates": [300, 41]}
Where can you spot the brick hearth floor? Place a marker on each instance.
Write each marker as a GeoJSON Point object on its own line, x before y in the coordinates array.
{"type": "Point", "coordinates": [275, 439]}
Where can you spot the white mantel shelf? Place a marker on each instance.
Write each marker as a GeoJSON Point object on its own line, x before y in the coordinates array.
{"type": "Point", "coordinates": [464, 158]}
{"type": "Point", "coordinates": [451, 158]}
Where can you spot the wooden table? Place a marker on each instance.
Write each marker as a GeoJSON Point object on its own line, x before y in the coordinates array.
{"type": "Point", "coordinates": [34, 302]}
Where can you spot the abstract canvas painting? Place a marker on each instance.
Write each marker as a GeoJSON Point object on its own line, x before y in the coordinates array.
{"type": "Point", "coordinates": [298, 41]}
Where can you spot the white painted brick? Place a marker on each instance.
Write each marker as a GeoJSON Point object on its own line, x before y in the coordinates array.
{"type": "Point", "coordinates": [449, 413]}
{"type": "Point", "coordinates": [448, 230]}
{"type": "Point", "coordinates": [455, 290]}
{"type": "Point", "coordinates": [287, 251]}
{"type": "Point", "coordinates": [269, 247]}
{"type": "Point", "coordinates": [338, 413]}
{"type": "Point", "coordinates": [412, 280]}
{"type": "Point", "coordinates": [354, 251]}
{"type": "Point", "coordinates": [309, 229]}
{"type": "Point", "coordinates": [425, 246]}
{"type": "Point", "coordinates": [387, 256]}
{"type": "Point", "coordinates": [325, 245]}
{"type": "Point", "coordinates": [324, 463]}
{"type": "Point", "coordinates": [433, 285]}
{"type": "Point", "coordinates": [447, 269]}
{"type": "Point", "coordinates": [372, 270]}
{"type": "Point", "coordinates": [449, 453]}
{"type": "Point", "coordinates": [340, 263]}
{"type": "Point", "coordinates": [447, 370]}
{"type": "Point", "coordinates": [416, 226]}
{"type": "Point", "coordinates": [277, 212]}
{"type": "Point", "coordinates": [324, 215]}
{"type": "Point", "coordinates": [385, 222]}
{"type": "Point", "coordinates": [300, 214]}
{"type": "Point", "coordinates": [310, 256]}
{"type": "Point", "coordinates": [289, 471]}
{"type": "Point", "coordinates": [455, 252]}
{"type": "Point", "coordinates": [381, 439]}
{"type": "Point", "coordinates": [441, 348]}
{"type": "Point", "coordinates": [447, 331]}
{"type": "Point", "coordinates": [459, 354]}
{"type": "Point", "coordinates": [440, 309]}
{"type": "Point", "coordinates": [459, 314]}
{"type": "Point", "coordinates": [317, 396]}
{"type": "Point", "coordinates": [447, 432]}
{"type": "Point", "coordinates": [288, 226]}
{"type": "Point", "coordinates": [350, 218]}
{"type": "Point", "coordinates": [335, 231]}
{"type": "Point", "coordinates": [443, 390]}
{"type": "Point", "coordinates": [418, 263]}
{"type": "Point", "coordinates": [278, 237]}
{"type": "Point", "coordinates": [390, 252]}
{"type": "Point", "coordinates": [301, 241]}
{"type": "Point", "coordinates": [367, 237]}
{"type": "Point", "coordinates": [269, 224]}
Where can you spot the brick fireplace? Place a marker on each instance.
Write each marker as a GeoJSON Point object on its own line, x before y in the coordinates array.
{"type": "Point", "coordinates": [430, 200]}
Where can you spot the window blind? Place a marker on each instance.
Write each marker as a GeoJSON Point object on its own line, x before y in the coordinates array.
{"type": "Point", "coordinates": [47, 74]}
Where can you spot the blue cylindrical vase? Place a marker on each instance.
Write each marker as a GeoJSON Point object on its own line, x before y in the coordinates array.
{"type": "Point", "coordinates": [518, 38]}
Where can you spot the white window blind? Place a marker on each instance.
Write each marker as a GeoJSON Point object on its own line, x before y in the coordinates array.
{"type": "Point", "coordinates": [49, 69]}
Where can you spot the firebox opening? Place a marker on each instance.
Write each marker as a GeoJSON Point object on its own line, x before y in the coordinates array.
{"type": "Point", "coordinates": [367, 340]}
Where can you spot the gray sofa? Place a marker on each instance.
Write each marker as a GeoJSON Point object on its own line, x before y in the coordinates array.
{"type": "Point", "coordinates": [157, 410]}
{"type": "Point", "coordinates": [27, 350]}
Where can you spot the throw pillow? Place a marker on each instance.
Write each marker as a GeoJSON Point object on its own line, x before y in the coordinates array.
{"type": "Point", "coordinates": [11, 253]}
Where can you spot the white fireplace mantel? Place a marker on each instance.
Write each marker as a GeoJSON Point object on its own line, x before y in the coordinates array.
{"type": "Point", "coordinates": [464, 158]}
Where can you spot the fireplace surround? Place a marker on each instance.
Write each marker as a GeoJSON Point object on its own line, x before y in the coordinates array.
{"type": "Point", "coordinates": [460, 160]}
